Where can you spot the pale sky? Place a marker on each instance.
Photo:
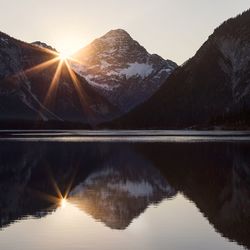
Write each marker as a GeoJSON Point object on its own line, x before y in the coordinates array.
{"type": "Point", "coordinates": [174, 29]}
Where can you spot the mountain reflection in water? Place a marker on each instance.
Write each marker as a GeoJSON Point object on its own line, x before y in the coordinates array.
{"type": "Point", "coordinates": [116, 182]}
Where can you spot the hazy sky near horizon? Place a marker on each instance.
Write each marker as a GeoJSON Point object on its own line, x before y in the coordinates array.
{"type": "Point", "coordinates": [174, 29]}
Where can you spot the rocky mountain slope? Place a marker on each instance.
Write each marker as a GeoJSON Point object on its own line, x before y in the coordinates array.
{"type": "Point", "coordinates": [36, 86]}
{"type": "Point", "coordinates": [211, 89]}
{"type": "Point", "coordinates": [121, 70]}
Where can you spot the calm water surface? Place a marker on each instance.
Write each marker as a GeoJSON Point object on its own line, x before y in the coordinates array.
{"type": "Point", "coordinates": [156, 194]}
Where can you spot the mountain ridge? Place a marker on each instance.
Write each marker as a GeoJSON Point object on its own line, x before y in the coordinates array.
{"type": "Point", "coordinates": [36, 86]}
{"type": "Point", "coordinates": [118, 77]}
{"type": "Point", "coordinates": [210, 90]}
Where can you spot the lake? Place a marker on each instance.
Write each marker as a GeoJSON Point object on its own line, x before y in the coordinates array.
{"type": "Point", "coordinates": [127, 190]}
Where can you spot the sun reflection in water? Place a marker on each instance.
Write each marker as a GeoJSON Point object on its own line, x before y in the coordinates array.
{"type": "Point", "coordinates": [63, 203]}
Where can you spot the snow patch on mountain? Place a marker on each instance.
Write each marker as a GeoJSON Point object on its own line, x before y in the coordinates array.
{"type": "Point", "coordinates": [105, 64]}
{"type": "Point", "coordinates": [136, 189]}
{"type": "Point", "coordinates": [137, 69]}
{"type": "Point", "coordinates": [91, 78]}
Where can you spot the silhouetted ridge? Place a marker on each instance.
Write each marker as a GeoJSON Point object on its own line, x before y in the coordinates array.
{"type": "Point", "coordinates": [37, 89]}
{"type": "Point", "coordinates": [210, 90]}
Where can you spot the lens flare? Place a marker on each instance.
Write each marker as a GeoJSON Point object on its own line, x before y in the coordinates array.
{"type": "Point", "coordinates": [63, 203]}
{"type": "Point", "coordinates": [54, 84]}
{"type": "Point", "coordinates": [63, 56]}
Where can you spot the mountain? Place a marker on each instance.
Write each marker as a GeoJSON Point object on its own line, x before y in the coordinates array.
{"type": "Point", "coordinates": [35, 86]}
{"type": "Point", "coordinates": [121, 189]}
{"type": "Point", "coordinates": [121, 70]}
{"type": "Point", "coordinates": [214, 176]}
{"type": "Point", "coordinates": [211, 89]}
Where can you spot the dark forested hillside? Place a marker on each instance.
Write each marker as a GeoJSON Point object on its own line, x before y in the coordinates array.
{"type": "Point", "coordinates": [211, 89]}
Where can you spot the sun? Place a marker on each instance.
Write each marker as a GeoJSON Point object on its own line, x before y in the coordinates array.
{"type": "Point", "coordinates": [63, 203]}
{"type": "Point", "coordinates": [64, 55]}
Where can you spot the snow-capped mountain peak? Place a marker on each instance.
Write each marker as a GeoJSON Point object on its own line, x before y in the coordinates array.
{"type": "Point", "coordinates": [121, 69]}
{"type": "Point", "coordinates": [114, 50]}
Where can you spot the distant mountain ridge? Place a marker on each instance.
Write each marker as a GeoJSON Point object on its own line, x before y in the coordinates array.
{"type": "Point", "coordinates": [121, 70]}
{"type": "Point", "coordinates": [43, 45]}
{"type": "Point", "coordinates": [210, 90]}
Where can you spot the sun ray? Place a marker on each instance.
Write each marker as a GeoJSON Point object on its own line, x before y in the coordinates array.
{"type": "Point", "coordinates": [82, 96]}
{"type": "Point", "coordinates": [61, 60]}
{"type": "Point", "coordinates": [71, 181]}
{"type": "Point", "coordinates": [55, 186]}
{"type": "Point", "coordinates": [49, 51]}
{"type": "Point", "coordinates": [36, 68]}
{"type": "Point", "coordinates": [58, 192]}
{"type": "Point", "coordinates": [59, 198]}
{"type": "Point", "coordinates": [41, 66]}
{"type": "Point", "coordinates": [54, 83]}
{"type": "Point", "coordinates": [44, 196]}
